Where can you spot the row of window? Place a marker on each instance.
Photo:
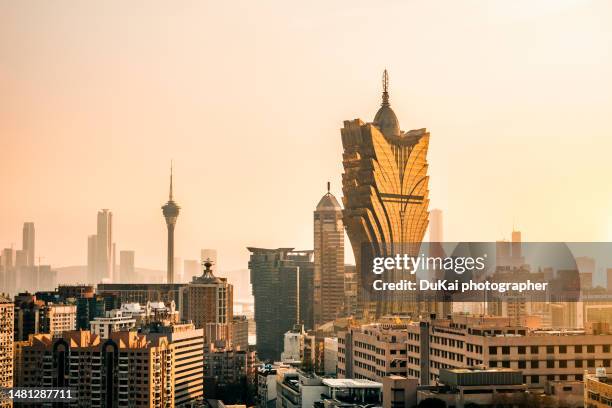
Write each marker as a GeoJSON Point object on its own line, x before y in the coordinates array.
{"type": "Point", "coordinates": [591, 348]}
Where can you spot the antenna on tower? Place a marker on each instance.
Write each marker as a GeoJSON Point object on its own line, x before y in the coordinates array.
{"type": "Point", "coordinates": [171, 165]}
{"type": "Point", "coordinates": [328, 187]}
{"type": "Point", "coordinates": [385, 84]}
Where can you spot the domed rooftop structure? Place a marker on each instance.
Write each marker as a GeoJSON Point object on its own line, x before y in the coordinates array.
{"type": "Point", "coordinates": [385, 118]}
{"type": "Point", "coordinates": [328, 202]}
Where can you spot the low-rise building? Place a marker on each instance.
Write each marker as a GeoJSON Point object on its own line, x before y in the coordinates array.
{"type": "Point", "coordinates": [460, 387]}
{"type": "Point", "coordinates": [266, 383]}
{"type": "Point", "coordinates": [114, 321]}
{"type": "Point", "coordinates": [598, 389]}
{"type": "Point", "coordinates": [297, 389]}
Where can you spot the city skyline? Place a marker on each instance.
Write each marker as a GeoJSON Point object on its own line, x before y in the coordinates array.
{"type": "Point", "coordinates": [504, 118]}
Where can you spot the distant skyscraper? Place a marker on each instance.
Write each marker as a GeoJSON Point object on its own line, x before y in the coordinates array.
{"type": "Point", "coordinates": [29, 242]}
{"type": "Point", "coordinates": [282, 287]}
{"type": "Point", "coordinates": [171, 212]}
{"type": "Point", "coordinates": [191, 269]}
{"type": "Point", "coordinates": [9, 256]}
{"type": "Point", "coordinates": [178, 269]}
{"type": "Point", "coordinates": [210, 254]}
{"type": "Point", "coordinates": [104, 247]}
{"type": "Point", "coordinates": [436, 233]}
{"type": "Point", "coordinates": [328, 296]}
{"type": "Point", "coordinates": [385, 187]}
{"type": "Point", "coordinates": [92, 247]}
{"type": "Point", "coordinates": [127, 267]}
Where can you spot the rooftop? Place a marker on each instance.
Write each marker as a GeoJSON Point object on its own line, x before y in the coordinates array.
{"type": "Point", "coordinates": [351, 383]}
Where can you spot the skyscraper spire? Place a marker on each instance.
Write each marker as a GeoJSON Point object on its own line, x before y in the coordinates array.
{"type": "Point", "coordinates": [170, 195]}
{"type": "Point", "coordinates": [385, 84]}
{"type": "Point", "coordinates": [328, 187]}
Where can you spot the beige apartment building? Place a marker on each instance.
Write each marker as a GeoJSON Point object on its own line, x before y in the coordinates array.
{"type": "Point", "coordinates": [56, 319]}
{"type": "Point", "coordinates": [373, 351]}
{"type": "Point", "coordinates": [421, 349]}
{"type": "Point", "coordinates": [128, 369]}
{"type": "Point", "coordinates": [597, 390]}
{"type": "Point", "coordinates": [7, 318]}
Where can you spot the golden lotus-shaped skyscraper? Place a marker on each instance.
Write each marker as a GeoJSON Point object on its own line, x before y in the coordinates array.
{"type": "Point", "coordinates": [385, 188]}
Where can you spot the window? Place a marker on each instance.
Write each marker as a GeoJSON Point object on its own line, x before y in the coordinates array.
{"type": "Point", "coordinates": [522, 364]}
{"type": "Point", "coordinates": [590, 363]}
{"type": "Point", "coordinates": [534, 349]}
{"type": "Point", "coordinates": [578, 363]}
{"type": "Point", "coordinates": [535, 379]}
{"type": "Point", "coordinates": [550, 349]}
{"type": "Point", "coordinates": [590, 348]}
{"type": "Point", "coordinates": [521, 349]}
{"type": "Point", "coordinates": [492, 350]}
{"type": "Point", "coordinates": [606, 348]}
{"type": "Point", "coordinates": [550, 363]}
{"type": "Point", "coordinates": [578, 349]}
{"type": "Point", "coordinates": [562, 349]}
{"type": "Point", "coordinates": [535, 363]}
{"type": "Point", "coordinates": [506, 364]}
{"type": "Point", "coordinates": [505, 350]}
{"type": "Point", "coordinates": [562, 363]}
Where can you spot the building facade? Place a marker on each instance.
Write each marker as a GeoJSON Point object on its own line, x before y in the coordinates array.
{"type": "Point", "coordinates": [7, 318]}
{"type": "Point", "coordinates": [328, 290]}
{"type": "Point", "coordinates": [210, 304]}
{"type": "Point", "coordinates": [421, 349]}
{"type": "Point", "coordinates": [127, 369]}
{"type": "Point", "coordinates": [385, 198]}
{"type": "Point", "coordinates": [282, 284]}
{"type": "Point", "coordinates": [188, 343]}
{"type": "Point", "coordinates": [597, 389]}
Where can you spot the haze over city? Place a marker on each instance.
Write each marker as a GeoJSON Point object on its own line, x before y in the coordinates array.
{"type": "Point", "coordinates": [248, 102]}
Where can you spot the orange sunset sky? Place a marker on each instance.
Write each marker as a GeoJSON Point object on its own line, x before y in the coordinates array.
{"type": "Point", "coordinates": [248, 97]}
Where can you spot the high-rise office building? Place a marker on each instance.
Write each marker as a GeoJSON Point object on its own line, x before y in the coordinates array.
{"type": "Point", "coordinates": [282, 282]}
{"type": "Point", "coordinates": [328, 290]}
{"type": "Point", "coordinates": [7, 317]}
{"type": "Point", "coordinates": [208, 254]}
{"type": "Point", "coordinates": [126, 266]}
{"type": "Point", "coordinates": [170, 211]}
{"type": "Point", "coordinates": [385, 187]}
{"type": "Point", "coordinates": [210, 304]}
{"type": "Point", "coordinates": [104, 247]}
{"type": "Point", "coordinates": [240, 332]}
{"type": "Point", "coordinates": [29, 241]}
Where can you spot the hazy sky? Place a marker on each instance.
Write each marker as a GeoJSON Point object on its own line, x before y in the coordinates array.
{"type": "Point", "coordinates": [248, 99]}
